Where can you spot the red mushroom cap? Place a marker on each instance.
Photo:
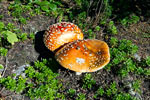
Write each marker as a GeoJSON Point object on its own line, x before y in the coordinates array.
{"type": "Point", "coordinates": [84, 55]}
{"type": "Point", "coordinates": [61, 33]}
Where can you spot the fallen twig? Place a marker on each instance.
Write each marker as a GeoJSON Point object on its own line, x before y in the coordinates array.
{"type": "Point", "coordinates": [6, 63]}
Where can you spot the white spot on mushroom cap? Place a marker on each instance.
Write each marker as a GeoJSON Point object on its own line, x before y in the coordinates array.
{"type": "Point", "coordinates": [62, 29]}
{"type": "Point", "coordinates": [63, 37]}
{"type": "Point", "coordinates": [90, 54]}
{"type": "Point", "coordinates": [80, 60]}
{"type": "Point", "coordinates": [69, 25]}
{"type": "Point", "coordinates": [70, 65]}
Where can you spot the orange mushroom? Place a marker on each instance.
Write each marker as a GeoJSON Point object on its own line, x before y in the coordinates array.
{"type": "Point", "coordinates": [84, 55]}
{"type": "Point", "coordinates": [61, 33]}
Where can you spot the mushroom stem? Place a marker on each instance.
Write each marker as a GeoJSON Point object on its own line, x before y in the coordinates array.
{"type": "Point", "coordinates": [78, 73]}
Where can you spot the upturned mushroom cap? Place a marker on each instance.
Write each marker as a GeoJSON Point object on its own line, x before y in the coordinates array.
{"type": "Point", "coordinates": [84, 55]}
{"type": "Point", "coordinates": [60, 33]}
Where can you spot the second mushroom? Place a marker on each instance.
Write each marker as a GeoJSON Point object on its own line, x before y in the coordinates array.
{"type": "Point", "coordinates": [84, 55]}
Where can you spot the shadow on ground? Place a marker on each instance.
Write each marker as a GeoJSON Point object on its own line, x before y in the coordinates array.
{"type": "Point", "coordinates": [41, 48]}
{"type": "Point", "coordinates": [124, 8]}
{"type": "Point", "coordinates": [45, 53]}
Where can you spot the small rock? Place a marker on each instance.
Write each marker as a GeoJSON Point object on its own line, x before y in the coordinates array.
{"type": "Point", "coordinates": [136, 56]}
{"type": "Point", "coordinates": [20, 70]}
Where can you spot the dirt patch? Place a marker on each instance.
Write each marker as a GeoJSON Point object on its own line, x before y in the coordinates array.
{"type": "Point", "coordinates": [136, 33]}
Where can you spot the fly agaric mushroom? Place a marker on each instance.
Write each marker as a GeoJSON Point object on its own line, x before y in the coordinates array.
{"type": "Point", "coordinates": [61, 33]}
{"type": "Point", "coordinates": [84, 55]}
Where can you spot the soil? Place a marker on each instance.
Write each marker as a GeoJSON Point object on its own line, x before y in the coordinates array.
{"type": "Point", "coordinates": [28, 51]}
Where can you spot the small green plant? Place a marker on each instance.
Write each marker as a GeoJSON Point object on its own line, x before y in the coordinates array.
{"type": "Point", "coordinates": [40, 82]}
{"type": "Point", "coordinates": [99, 92]}
{"type": "Point", "coordinates": [103, 22]}
{"type": "Point", "coordinates": [81, 96]}
{"type": "Point", "coordinates": [3, 51]}
{"type": "Point", "coordinates": [136, 85]}
{"type": "Point", "coordinates": [138, 67]}
{"type": "Point", "coordinates": [147, 72]}
{"type": "Point", "coordinates": [37, 11]}
{"type": "Point", "coordinates": [10, 26]}
{"type": "Point", "coordinates": [1, 16]}
{"type": "Point", "coordinates": [31, 36]}
{"type": "Point", "coordinates": [88, 81]}
{"type": "Point", "coordinates": [91, 34]}
{"type": "Point", "coordinates": [10, 36]}
{"type": "Point", "coordinates": [78, 2]}
{"type": "Point", "coordinates": [130, 20]}
{"type": "Point", "coordinates": [97, 28]}
{"type": "Point", "coordinates": [16, 9]}
{"type": "Point", "coordinates": [9, 83]}
{"type": "Point", "coordinates": [22, 20]}
{"type": "Point", "coordinates": [112, 28]}
{"type": "Point", "coordinates": [24, 11]}
{"type": "Point", "coordinates": [22, 36]}
{"type": "Point", "coordinates": [122, 55]}
{"type": "Point", "coordinates": [148, 60]}
{"type": "Point", "coordinates": [49, 7]}
{"type": "Point", "coordinates": [21, 84]}
{"type": "Point", "coordinates": [108, 92]}
{"type": "Point", "coordinates": [130, 67]}
{"type": "Point", "coordinates": [2, 25]}
{"type": "Point", "coordinates": [71, 92]}
{"type": "Point", "coordinates": [111, 90]}
{"type": "Point", "coordinates": [146, 35]}
{"type": "Point", "coordinates": [123, 96]}
{"type": "Point", "coordinates": [129, 47]}
{"type": "Point", "coordinates": [47, 85]}
{"type": "Point", "coordinates": [81, 17]}
{"type": "Point", "coordinates": [46, 6]}
{"type": "Point", "coordinates": [1, 66]}
{"type": "Point", "coordinates": [113, 41]}
{"type": "Point", "coordinates": [140, 70]}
